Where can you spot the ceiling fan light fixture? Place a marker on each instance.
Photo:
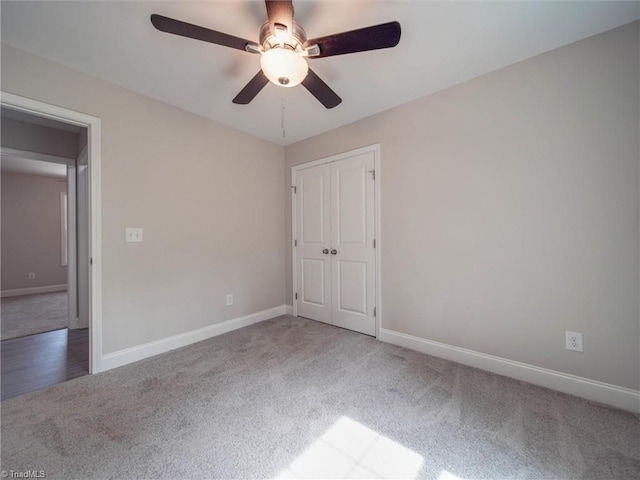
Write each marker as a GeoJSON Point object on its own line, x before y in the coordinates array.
{"type": "Point", "coordinates": [284, 48]}
{"type": "Point", "coordinates": [284, 67]}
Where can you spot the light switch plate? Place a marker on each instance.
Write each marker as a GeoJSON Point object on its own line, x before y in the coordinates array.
{"type": "Point", "coordinates": [133, 234]}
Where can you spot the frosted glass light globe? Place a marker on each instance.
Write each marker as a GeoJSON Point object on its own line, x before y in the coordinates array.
{"type": "Point", "coordinates": [284, 67]}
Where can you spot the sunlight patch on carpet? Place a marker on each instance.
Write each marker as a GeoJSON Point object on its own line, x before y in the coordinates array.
{"type": "Point", "coordinates": [444, 475]}
{"type": "Point", "coordinates": [351, 450]}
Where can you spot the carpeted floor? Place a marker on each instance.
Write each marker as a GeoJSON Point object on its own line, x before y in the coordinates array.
{"type": "Point", "coordinates": [29, 314]}
{"type": "Point", "coordinates": [295, 398]}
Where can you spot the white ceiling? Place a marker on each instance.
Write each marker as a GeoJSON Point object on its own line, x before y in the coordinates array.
{"type": "Point", "coordinates": [443, 43]}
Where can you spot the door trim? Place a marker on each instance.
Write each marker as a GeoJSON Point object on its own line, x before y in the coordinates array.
{"type": "Point", "coordinates": [25, 154]}
{"type": "Point", "coordinates": [93, 125]}
{"type": "Point", "coordinates": [375, 148]}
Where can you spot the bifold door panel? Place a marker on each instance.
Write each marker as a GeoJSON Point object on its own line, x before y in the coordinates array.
{"type": "Point", "coordinates": [335, 255]}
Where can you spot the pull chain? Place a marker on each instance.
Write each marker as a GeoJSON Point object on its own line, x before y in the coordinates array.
{"type": "Point", "coordinates": [282, 118]}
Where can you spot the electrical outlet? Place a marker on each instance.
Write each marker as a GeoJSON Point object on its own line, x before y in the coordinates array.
{"type": "Point", "coordinates": [573, 341]}
{"type": "Point", "coordinates": [31, 275]}
{"type": "Point", "coordinates": [229, 299]}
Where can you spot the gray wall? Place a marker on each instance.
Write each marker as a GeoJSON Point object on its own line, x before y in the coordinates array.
{"type": "Point", "coordinates": [208, 197]}
{"type": "Point", "coordinates": [37, 138]}
{"type": "Point", "coordinates": [510, 209]}
{"type": "Point", "coordinates": [31, 231]}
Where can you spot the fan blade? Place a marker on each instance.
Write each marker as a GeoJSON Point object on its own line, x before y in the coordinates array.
{"type": "Point", "coordinates": [251, 89]}
{"type": "Point", "coordinates": [386, 35]}
{"type": "Point", "coordinates": [177, 27]}
{"type": "Point", "coordinates": [280, 12]}
{"type": "Point", "coordinates": [321, 90]}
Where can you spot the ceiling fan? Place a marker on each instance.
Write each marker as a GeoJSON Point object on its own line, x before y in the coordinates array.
{"type": "Point", "coordinates": [284, 48]}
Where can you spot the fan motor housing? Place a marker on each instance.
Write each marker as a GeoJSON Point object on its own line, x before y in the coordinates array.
{"type": "Point", "coordinates": [294, 40]}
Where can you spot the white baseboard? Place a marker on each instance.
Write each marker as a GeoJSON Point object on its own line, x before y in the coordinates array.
{"type": "Point", "coordinates": [32, 290]}
{"type": "Point", "coordinates": [140, 352]}
{"type": "Point", "coordinates": [289, 310]}
{"type": "Point", "coordinates": [619, 397]}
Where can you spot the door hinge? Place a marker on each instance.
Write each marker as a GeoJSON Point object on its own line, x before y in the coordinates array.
{"type": "Point", "coordinates": [295, 242]}
{"type": "Point", "coordinates": [295, 190]}
{"type": "Point", "coordinates": [91, 261]}
{"type": "Point", "coordinates": [373, 172]}
{"type": "Point", "coordinates": [374, 243]}
{"type": "Point", "coordinates": [374, 311]}
{"type": "Point", "coordinates": [296, 295]}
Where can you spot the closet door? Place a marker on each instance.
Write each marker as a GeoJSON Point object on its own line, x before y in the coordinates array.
{"type": "Point", "coordinates": [335, 254]}
{"type": "Point", "coordinates": [313, 234]}
{"type": "Point", "coordinates": [352, 250]}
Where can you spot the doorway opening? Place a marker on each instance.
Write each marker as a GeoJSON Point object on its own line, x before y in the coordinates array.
{"type": "Point", "coordinates": [50, 246]}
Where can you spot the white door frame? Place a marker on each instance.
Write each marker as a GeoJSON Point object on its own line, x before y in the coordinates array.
{"type": "Point", "coordinates": [334, 158]}
{"type": "Point", "coordinates": [72, 245]}
{"type": "Point", "coordinates": [93, 125]}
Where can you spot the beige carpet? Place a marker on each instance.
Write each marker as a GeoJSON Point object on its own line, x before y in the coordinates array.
{"type": "Point", "coordinates": [293, 398]}
{"type": "Point", "coordinates": [29, 314]}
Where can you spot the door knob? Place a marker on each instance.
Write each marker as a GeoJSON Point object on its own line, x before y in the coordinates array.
{"type": "Point", "coordinates": [333, 251]}
{"type": "Point", "coordinates": [325, 251]}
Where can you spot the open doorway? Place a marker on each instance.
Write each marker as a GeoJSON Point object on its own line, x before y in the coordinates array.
{"type": "Point", "coordinates": [46, 251]}
{"type": "Point", "coordinates": [34, 243]}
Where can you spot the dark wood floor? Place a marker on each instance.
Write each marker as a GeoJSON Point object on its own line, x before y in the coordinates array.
{"type": "Point", "coordinates": [37, 361]}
